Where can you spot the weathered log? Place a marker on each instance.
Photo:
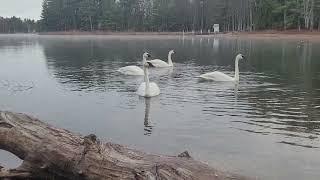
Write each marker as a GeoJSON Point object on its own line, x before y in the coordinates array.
{"type": "Point", "coordinates": [47, 151]}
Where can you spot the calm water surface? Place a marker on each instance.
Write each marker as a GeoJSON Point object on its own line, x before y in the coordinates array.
{"type": "Point", "coordinates": [267, 127]}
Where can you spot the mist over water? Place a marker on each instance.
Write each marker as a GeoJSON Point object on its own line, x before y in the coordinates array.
{"type": "Point", "coordinates": [267, 126]}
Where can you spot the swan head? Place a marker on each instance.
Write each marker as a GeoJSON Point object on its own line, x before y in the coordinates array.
{"type": "Point", "coordinates": [240, 57]}
{"type": "Point", "coordinates": [171, 52]}
{"type": "Point", "coordinates": [146, 55]}
{"type": "Point", "coordinates": [148, 64]}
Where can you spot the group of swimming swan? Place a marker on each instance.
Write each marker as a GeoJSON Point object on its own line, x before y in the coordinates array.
{"type": "Point", "coordinates": [137, 71]}
{"type": "Point", "coordinates": [151, 89]}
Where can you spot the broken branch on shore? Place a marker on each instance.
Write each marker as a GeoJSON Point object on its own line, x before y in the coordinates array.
{"type": "Point", "coordinates": [47, 151]}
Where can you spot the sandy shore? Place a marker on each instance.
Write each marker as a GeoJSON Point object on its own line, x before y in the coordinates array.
{"type": "Point", "coordinates": [114, 33]}
{"type": "Point", "coordinates": [264, 35]}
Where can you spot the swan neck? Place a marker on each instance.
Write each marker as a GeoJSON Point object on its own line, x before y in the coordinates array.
{"type": "Point", "coordinates": [144, 60]}
{"type": "Point", "coordinates": [146, 80]}
{"type": "Point", "coordinates": [170, 59]}
{"type": "Point", "coordinates": [236, 76]}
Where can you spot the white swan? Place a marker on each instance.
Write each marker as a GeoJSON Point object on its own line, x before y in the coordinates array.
{"type": "Point", "coordinates": [160, 63]}
{"type": "Point", "coordinates": [148, 89]}
{"type": "Point", "coordinates": [134, 70]}
{"type": "Point", "coordinates": [219, 76]}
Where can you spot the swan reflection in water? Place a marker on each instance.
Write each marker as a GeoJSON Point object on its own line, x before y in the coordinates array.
{"type": "Point", "coordinates": [147, 123]}
{"type": "Point", "coordinates": [236, 91]}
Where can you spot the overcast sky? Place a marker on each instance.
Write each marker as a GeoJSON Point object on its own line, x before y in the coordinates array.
{"type": "Point", "coordinates": [21, 8]}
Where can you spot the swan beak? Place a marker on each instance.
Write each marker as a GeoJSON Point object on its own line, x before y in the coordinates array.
{"type": "Point", "coordinates": [243, 57]}
{"type": "Point", "coordinates": [149, 55]}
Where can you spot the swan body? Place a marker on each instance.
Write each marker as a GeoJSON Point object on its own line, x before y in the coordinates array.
{"type": "Point", "coordinates": [219, 76]}
{"type": "Point", "coordinates": [161, 63]}
{"type": "Point", "coordinates": [131, 71]}
{"type": "Point", "coordinates": [147, 88]}
{"type": "Point", "coordinates": [153, 90]}
{"type": "Point", "coordinates": [134, 70]}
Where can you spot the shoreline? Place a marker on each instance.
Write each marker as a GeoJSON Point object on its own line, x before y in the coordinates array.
{"type": "Point", "coordinates": [272, 35]}
{"type": "Point", "coordinates": [263, 35]}
{"type": "Point", "coordinates": [108, 33]}
{"type": "Point", "coordinates": [289, 35]}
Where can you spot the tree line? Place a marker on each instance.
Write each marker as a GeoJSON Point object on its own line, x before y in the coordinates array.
{"type": "Point", "coordinates": [179, 15]}
{"type": "Point", "coordinates": [17, 25]}
{"type": "Point", "coordinates": [169, 15]}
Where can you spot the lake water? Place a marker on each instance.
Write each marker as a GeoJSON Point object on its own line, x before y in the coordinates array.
{"type": "Point", "coordinates": [267, 127]}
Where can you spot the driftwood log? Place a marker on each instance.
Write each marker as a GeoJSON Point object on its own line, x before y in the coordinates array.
{"type": "Point", "coordinates": [51, 153]}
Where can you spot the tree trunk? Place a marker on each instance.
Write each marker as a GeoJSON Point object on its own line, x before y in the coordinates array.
{"type": "Point", "coordinates": [306, 13]}
{"type": "Point", "coordinates": [250, 18]}
{"type": "Point", "coordinates": [91, 26]}
{"type": "Point", "coordinates": [49, 152]}
{"type": "Point", "coordinates": [312, 15]}
{"type": "Point", "coordinates": [285, 16]}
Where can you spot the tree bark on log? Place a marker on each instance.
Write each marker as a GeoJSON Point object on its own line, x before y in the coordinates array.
{"type": "Point", "coordinates": [49, 152]}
